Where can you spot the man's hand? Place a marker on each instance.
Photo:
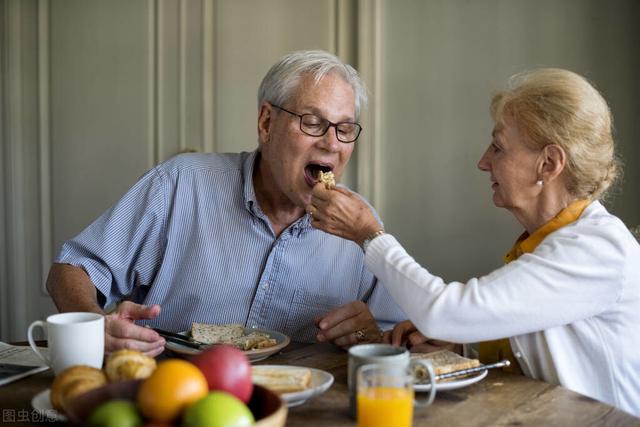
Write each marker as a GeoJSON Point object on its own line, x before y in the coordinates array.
{"type": "Point", "coordinates": [121, 332]}
{"type": "Point", "coordinates": [405, 333]}
{"type": "Point", "coordinates": [350, 324]}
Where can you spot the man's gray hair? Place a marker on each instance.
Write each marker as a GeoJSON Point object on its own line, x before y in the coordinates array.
{"type": "Point", "coordinates": [282, 80]}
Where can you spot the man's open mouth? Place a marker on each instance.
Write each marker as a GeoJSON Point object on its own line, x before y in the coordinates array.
{"type": "Point", "coordinates": [312, 172]}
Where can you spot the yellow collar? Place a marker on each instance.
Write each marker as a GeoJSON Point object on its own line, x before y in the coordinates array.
{"type": "Point", "coordinates": [528, 243]}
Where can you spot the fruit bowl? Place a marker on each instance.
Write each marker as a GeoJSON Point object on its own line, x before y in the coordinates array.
{"type": "Point", "coordinates": [267, 408]}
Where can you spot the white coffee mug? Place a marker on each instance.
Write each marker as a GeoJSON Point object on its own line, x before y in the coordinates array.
{"type": "Point", "coordinates": [73, 339]}
{"type": "Point", "coordinates": [395, 358]}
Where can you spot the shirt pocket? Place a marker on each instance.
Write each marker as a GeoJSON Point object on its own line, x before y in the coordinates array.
{"type": "Point", "coordinates": [305, 307]}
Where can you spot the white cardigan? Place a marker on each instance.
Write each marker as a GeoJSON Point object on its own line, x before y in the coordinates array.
{"type": "Point", "coordinates": [571, 308]}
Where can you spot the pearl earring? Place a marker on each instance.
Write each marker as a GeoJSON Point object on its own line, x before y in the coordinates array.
{"type": "Point", "coordinates": [539, 183]}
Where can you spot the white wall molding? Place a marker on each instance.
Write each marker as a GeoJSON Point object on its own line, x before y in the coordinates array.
{"type": "Point", "coordinates": [153, 143]}
{"type": "Point", "coordinates": [4, 284]}
{"type": "Point", "coordinates": [44, 141]}
{"type": "Point", "coordinates": [160, 78]}
{"type": "Point", "coordinates": [369, 57]}
{"type": "Point", "coordinates": [14, 306]}
{"type": "Point", "coordinates": [182, 74]}
{"type": "Point", "coordinates": [208, 75]}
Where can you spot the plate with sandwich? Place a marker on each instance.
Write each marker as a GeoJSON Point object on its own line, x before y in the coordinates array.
{"type": "Point", "coordinates": [257, 344]}
{"type": "Point", "coordinates": [444, 362]}
{"type": "Point", "coordinates": [294, 384]}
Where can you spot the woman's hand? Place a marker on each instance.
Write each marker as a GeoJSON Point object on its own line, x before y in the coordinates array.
{"type": "Point", "coordinates": [343, 213]}
{"type": "Point", "coordinates": [406, 333]}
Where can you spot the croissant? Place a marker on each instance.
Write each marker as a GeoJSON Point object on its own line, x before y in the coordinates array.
{"type": "Point", "coordinates": [73, 382]}
{"type": "Point", "coordinates": [129, 365]}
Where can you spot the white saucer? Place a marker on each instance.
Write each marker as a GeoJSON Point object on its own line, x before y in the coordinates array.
{"type": "Point", "coordinates": [454, 384]}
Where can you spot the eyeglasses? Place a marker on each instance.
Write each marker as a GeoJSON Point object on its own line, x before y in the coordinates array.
{"type": "Point", "coordinates": [313, 125]}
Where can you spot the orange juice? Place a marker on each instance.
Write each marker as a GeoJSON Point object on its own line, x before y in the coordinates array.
{"type": "Point", "coordinates": [385, 407]}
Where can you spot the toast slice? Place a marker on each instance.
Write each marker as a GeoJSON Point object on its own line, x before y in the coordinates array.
{"type": "Point", "coordinates": [444, 361]}
{"type": "Point", "coordinates": [216, 334]}
{"type": "Point", "coordinates": [282, 380]}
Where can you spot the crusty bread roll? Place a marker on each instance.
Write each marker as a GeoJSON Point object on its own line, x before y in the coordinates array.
{"type": "Point", "coordinates": [282, 380]}
{"type": "Point", "coordinates": [126, 364]}
{"type": "Point", "coordinates": [73, 382]}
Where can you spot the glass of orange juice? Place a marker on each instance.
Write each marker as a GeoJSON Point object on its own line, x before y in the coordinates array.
{"type": "Point", "coordinates": [385, 396]}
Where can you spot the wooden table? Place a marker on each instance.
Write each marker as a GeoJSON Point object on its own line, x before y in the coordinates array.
{"type": "Point", "coordinates": [498, 400]}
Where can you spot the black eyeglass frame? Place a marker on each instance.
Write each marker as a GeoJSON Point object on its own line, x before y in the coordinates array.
{"type": "Point", "coordinates": [330, 124]}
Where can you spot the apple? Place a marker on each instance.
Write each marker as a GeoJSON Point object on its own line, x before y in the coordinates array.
{"type": "Point", "coordinates": [226, 369]}
{"type": "Point", "coordinates": [115, 413]}
{"type": "Point", "coordinates": [218, 409]}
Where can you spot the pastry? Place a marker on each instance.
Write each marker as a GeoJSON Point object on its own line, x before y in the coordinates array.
{"type": "Point", "coordinates": [282, 380]}
{"type": "Point", "coordinates": [73, 382]}
{"type": "Point", "coordinates": [126, 364]}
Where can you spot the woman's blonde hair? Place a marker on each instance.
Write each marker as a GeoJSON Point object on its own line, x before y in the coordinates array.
{"type": "Point", "coordinates": [554, 106]}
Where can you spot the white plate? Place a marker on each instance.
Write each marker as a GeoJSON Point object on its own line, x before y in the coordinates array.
{"type": "Point", "coordinates": [254, 355]}
{"type": "Point", "coordinates": [454, 384]}
{"type": "Point", "coordinates": [41, 402]}
{"type": "Point", "coordinates": [320, 382]}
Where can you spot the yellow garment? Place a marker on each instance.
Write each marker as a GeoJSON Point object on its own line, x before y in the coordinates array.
{"type": "Point", "coordinates": [494, 351]}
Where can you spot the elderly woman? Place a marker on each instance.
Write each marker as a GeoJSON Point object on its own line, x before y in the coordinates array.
{"type": "Point", "coordinates": [568, 299]}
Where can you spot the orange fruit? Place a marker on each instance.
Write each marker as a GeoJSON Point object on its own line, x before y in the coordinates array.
{"type": "Point", "coordinates": [174, 385]}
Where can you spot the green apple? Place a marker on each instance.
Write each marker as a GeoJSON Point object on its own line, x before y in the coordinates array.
{"type": "Point", "coordinates": [115, 413]}
{"type": "Point", "coordinates": [218, 409]}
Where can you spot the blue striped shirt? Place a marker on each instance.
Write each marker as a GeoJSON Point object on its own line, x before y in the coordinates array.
{"type": "Point", "coordinates": [190, 236]}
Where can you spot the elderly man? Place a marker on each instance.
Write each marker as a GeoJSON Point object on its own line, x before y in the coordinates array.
{"type": "Point", "coordinates": [224, 238]}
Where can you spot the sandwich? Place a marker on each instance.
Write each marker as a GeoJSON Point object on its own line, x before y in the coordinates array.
{"type": "Point", "coordinates": [444, 361]}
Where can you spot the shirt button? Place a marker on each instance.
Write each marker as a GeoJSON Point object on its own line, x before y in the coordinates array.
{"type": "Point", "coordinates": [518, 355]}
{"type": "Point", "coordinates": [265, 286]}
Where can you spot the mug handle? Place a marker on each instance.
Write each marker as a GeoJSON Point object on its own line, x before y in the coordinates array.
{"type": "Point", "coordinates": [432, 390]}
{"type": "Point", "coordinates": [32, 343]}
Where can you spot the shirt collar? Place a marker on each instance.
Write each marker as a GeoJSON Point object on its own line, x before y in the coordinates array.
{"type": "Point", "coordinates": [528, 243]}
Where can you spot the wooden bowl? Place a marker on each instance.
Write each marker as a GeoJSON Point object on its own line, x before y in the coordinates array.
{"type": "Point", "coordinates": [266, 406]}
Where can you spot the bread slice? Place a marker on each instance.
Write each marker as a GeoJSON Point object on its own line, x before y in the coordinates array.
{"type": "Point", "coordinates": [444, 361]}
{"type": "Point", "coordinates": [282, 380]}
{"type": "Point", "coordinates": [216, 334]}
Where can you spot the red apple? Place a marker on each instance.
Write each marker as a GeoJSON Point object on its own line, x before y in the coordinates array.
{"type": "Point", "coordinates": [226, 369]}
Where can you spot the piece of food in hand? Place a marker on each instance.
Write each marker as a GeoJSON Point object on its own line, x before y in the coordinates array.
{"type": "Point", "coordinates": [214, 334]}
{"type": "Point", "coordinates": [444, 361]}
{"type": "Point", "coordinates": [73, 382]}
{"type": "Point", "coordinates": [327, 179]}
{"type": "Point", "coordinates": [126, 364]}
{"type": "Point", "coordinates": [282, 380]}
{"type": "Point", "coordinates": [226, 368]}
